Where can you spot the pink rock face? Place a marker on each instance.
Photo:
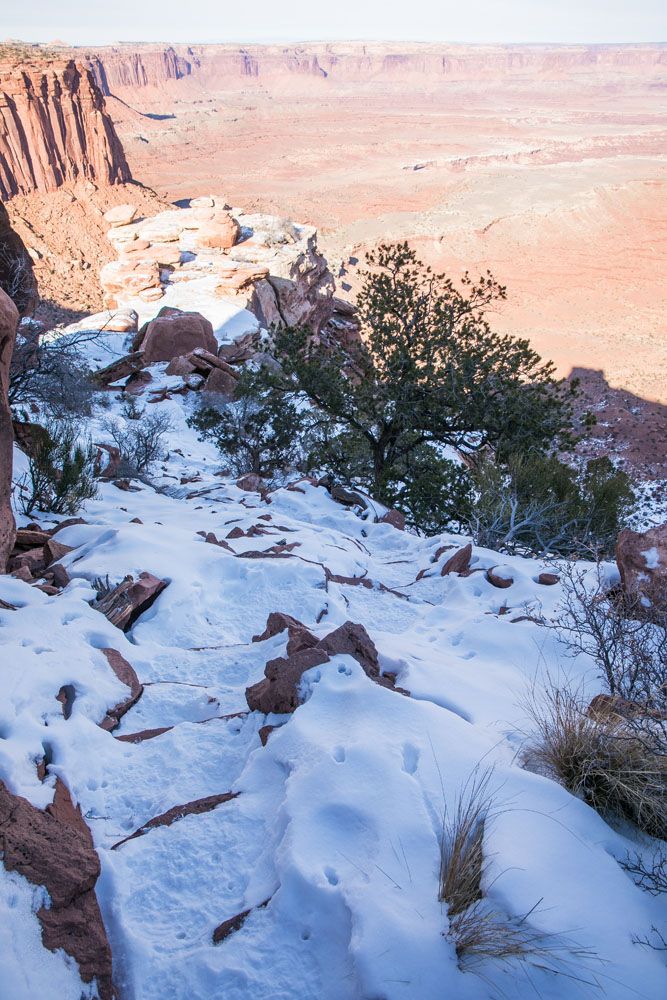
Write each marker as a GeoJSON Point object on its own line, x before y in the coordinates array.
{"type": "Point", "coordinates": [54, 848]}
{"type": "Point", "coordinates": [174, 333]}
{"type": "Point", "coordinates": [642, 563]}
{"type": "Point", "coordinates": [8, 321]}
{"type": "Point", "coordinates": [54, 129]}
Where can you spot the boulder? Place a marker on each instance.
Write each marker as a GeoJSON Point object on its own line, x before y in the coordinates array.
{"type": "Point", "coordinates": [54, 848]}
{"type": "Point", "coordinates": [298, 635]}
{"type": "Point", "coordinates": [459, 562]}
{"type": "Point", "coordinates": [54, 551]}
{"type": "Point", "coordinates": [126, 602]}
{"type": "Point", "coordinates": [642, 563]}
{"type": "Point", "coordinates": [395, 518]}
{"type": "Point", "coordinates": [174, 333]}
{"type": "Point", "coordinates": [251, 483]}
{"type": "Point", "coordinates": [548, 579]}
{"type": "Point", "coordinates": [221, 233]}
{"type": "Point", "coordinates": [179, 366]}
{"type": "Point", "coordinates": [221, 383]}
{"type": "Point", "coordinates": [118, 369]}
{"type": "Point", "coordinates": [9, 318]}
{"type": "Point", "coordinates": [121, 215]}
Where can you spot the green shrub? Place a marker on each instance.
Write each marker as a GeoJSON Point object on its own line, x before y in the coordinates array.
{"type": "Point", "coordinates": [61, 472]}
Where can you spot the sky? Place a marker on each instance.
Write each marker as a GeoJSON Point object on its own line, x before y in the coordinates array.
{"type": "Point", "coordinates": [94, 22]}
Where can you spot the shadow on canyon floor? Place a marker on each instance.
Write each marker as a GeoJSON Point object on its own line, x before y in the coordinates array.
{"type": "Point", "coordinates": [629, 427]}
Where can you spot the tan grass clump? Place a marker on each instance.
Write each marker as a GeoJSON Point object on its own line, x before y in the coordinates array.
{"type": "Point", "coordinates": [604, 760]}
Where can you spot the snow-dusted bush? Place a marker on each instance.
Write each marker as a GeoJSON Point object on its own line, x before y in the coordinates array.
{"type": "Point", "coordinates": [139, 436]}
{"type": "Point", "coordinates": [52, 372]}
{"type": "Point", "coordinates": [628, 644]}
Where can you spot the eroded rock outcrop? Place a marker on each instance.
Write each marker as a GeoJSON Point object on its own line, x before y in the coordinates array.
{"type": "Point", "coordinates": [209, 253]}
{"type": "Point", "coordinates": [54, 129]}
{"type": "Point", "coordinates": [8, 321]}
{"type": "Point", "coordinates": [279, 692]}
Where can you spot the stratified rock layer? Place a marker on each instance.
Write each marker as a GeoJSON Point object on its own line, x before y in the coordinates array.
{"type": "Point", "coordinates": [54, 129]}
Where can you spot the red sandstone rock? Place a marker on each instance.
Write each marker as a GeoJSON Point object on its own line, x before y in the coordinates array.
{"type": "Point", "coordinates": [130, 599]}
{"type": "Point", "coordinates": [298, 635]}
{"type": "Point", "coordinates": [174, 333]}
{"type": "Point", "coordinates": [55, 550]}
{"type": "Point", "coordinates": [121, 215]}
{"type": "Point", "coordinates": [180, 366]}
{"type": "Point", "coordinates": [498, 579]}
{"type": "Point", "coordinates": [459, 562]}
{"type": "Point", "coordinates": [251, 483]}
{"type": "Point", "coordinates": [126, 673]}
{"type": "Point", "coordinates": [279, 690]}
{"type": "Point", "coordinates": [54, 848]}
{"type": "Point", "coordinates": [548, 579]}
{"type": "Point", "coordinates": [8, 321]}
{"type": "Point", "coordinates": [221, 383]}
{"type": "Point", "coordinates": [395, 518]}
{"type": "Point", "coordinates": [221, 233]}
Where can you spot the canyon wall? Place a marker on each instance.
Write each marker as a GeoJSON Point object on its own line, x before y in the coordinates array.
{"type": "Point", "coordinates": [54, 129]}
{"type": "Point", "coordinates": [124, 66]}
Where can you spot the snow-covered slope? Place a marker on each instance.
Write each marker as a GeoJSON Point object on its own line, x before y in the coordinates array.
{"type": "Point", "coordinates": [331, 839]}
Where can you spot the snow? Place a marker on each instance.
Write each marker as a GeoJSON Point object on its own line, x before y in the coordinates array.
{"type": "Point", "coordinates": [651, 558]}
{"type": "Point", "coordinates": [336, 824]}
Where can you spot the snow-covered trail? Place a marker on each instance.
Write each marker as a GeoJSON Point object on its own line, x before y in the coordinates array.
{"type": "Point", "coordinates": [329, 833]}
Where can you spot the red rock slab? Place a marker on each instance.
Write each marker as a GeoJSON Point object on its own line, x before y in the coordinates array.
{"type": "Point", "coordinates": [125, 673]}
{"type": "Point", "coordinates": [548, 579]}
{"type": "Point", "coordinates": [54, 849]}
{"type": "Point", "coordinates": [459, 562]}
{"type": "Point", "coordinates": [143, 734]}
{"type": "Point", "coordinates": [194, 808]}
{"type": "Point", "coordinates": [30, 538]}
{"type": "Point", "coordinates": [495, 580]}
{"type": "Point", "coordinates": [228, 927]}
{"type": "Point", "coordinates": [130, 599]}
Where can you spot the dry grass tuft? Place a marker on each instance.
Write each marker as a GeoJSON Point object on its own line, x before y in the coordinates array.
{"type": "Point", "coordinates": [477, 932]}
{"type": "Point", "coordinates": [605, 761]}
{"type": "Point", "coordinates": [461, 845]}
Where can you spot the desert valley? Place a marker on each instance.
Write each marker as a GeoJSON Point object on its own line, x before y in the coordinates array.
{"type": "Point", "coordinates": [333, 632]}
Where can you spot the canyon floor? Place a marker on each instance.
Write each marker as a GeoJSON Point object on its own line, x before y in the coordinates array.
{"type": "Point", "coordinates": [558, 187]}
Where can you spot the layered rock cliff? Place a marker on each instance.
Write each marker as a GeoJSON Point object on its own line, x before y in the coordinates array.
{"type": "Point", "coordinates": [54, 129]}
{"type": "Point", "coordinates": [123, 66]}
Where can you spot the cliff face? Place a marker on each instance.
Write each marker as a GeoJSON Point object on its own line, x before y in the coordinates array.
{"type": "Point", "coordinates": [153, 65]}
{"type": "Point", "coordinates": [150, 67]}
{"type": "Point", "coordinates": [54, 129]}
